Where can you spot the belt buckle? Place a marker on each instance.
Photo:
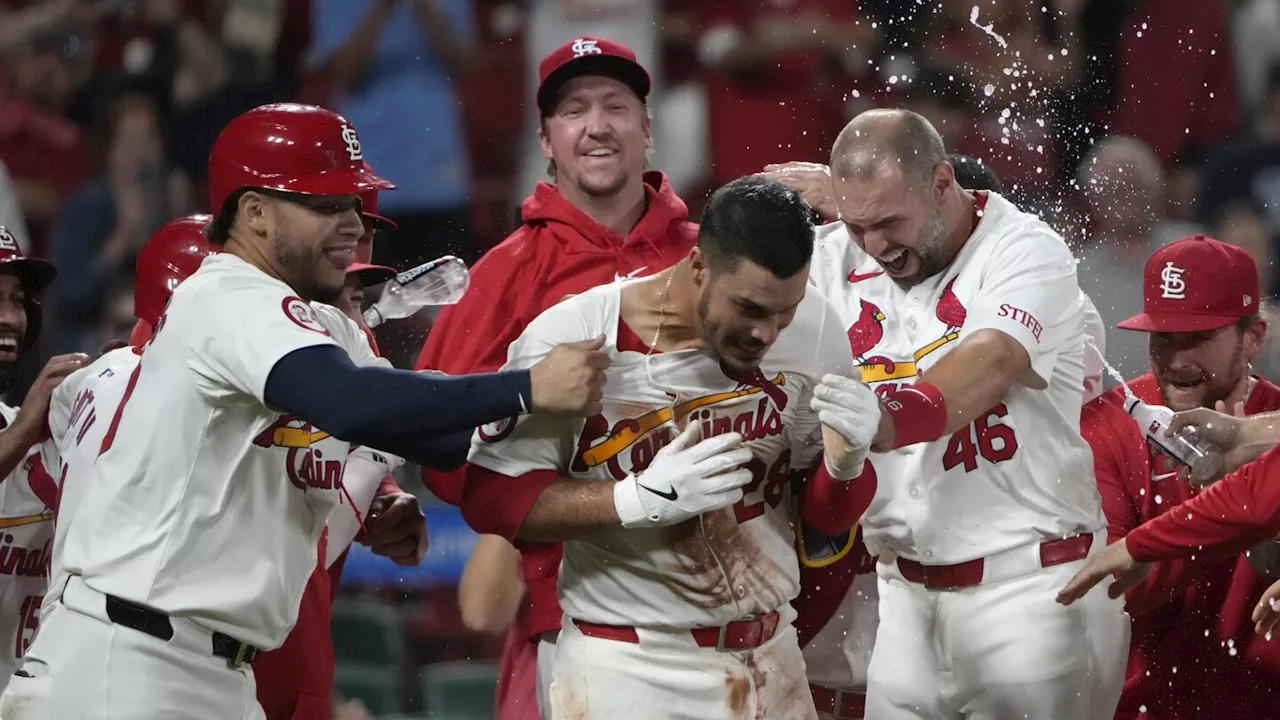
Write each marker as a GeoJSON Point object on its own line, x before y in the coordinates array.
{"type": "Point", "coordinates": [836, 708]}
{"type": "Point", "coordinates": [836, 704]}
{"type": "Point", "coordinates": [724, 631]}
{"type": "Point", "coordinates": [236, 662]}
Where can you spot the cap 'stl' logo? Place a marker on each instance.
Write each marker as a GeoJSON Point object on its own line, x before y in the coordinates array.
{"type": "Point", "coordinates": [353, 142]}
{"type": "Point", "coordinates": [1172, 286]}
{"type": "Point", "coordinates": [582, 47]}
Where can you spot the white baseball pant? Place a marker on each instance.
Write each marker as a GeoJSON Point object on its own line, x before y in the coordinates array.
{"type": "Point", "coordinates": [545, 671]}
{"type": "Point", "coordinates": [84, 667]}
{"type": "Point", "coordinates": [667, 675]}
{"type": "Point", "coordinates": [999, 650]}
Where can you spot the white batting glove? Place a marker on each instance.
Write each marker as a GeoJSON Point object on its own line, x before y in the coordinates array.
{"type": "Point", "coordinates": [686, 478]}
{"type": "Point", "coordinates": [852, 410]}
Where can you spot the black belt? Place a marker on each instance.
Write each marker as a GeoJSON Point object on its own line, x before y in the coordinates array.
{"type": "Point", "coordinates": [157, 625]}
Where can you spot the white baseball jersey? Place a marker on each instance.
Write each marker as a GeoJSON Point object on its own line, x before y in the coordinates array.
{"type": "Point", "coordinates": [27, 497]}
{"type": "Point", "coordinates": [1021, 472]}
{"type": "Point", "coordinates": [80, 411]}
{"type": "Point", "coordinates": [207, 503]}
{"type": "Point", "coordinates": [710, 570]}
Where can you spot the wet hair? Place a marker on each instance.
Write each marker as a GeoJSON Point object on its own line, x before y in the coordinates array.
{"type": "Point", "coordinates": [972, 174]}
{"type": "Point", "coordinates": [888, 136]}
{"type": "Point", "coordinates": [759, 220]}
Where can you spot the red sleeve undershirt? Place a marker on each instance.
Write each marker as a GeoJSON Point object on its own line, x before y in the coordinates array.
{"type": "Point", "coordinates": [833, 507]}
{"type": "Point", "coordinates": [1229, 517]}
{"type": "Point", "coordinates": [497, 504]}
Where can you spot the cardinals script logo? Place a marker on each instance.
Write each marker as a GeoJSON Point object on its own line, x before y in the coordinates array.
{"type": "Point", "coordinates": [630, 444]}
{"type": "Point", "coordinates": [306, 463]}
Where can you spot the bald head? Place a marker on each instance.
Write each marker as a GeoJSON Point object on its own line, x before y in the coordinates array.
{"type": "Point", "coordinates": [886, 138]}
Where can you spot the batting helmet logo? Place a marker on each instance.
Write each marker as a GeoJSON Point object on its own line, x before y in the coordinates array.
{"type": "Point", "coordinates": [582, 46]}
{"type": "Point", "coordinates": [7, 241]}
{"type": "Point", "coordinates": [353, 143]}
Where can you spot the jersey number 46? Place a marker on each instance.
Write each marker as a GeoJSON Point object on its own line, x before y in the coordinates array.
{"type": "Point", "coordinates": [986, 436]}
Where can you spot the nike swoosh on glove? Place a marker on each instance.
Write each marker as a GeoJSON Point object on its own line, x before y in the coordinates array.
{"type": "Point", "coordinates": [686, 478]}
{"type": "Point", "coordinates": [850, 408]}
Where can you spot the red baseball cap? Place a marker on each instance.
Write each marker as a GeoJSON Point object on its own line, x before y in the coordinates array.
{"type": "Point", "coordinates": [371, 274]}
{"type": "Point", "coordinates": [589, 56]}
{"type": "Point", "coordinates": [1194, 285]}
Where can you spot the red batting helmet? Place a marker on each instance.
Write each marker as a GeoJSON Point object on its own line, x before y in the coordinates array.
{"type": "Point", "coordinates": [292, 148]}
{"type": "Point", "coordinates": [369, 207]}
{"type": "Point", "coordinates": [170, 255]}
{"type": "Point", "coordinates": [34, 274]}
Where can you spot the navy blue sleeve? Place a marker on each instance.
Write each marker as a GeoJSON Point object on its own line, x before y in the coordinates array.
{"type": "Point", "coordinates": [424, 417]}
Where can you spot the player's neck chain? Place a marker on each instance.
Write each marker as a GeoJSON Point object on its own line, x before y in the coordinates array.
{"type": "Point", "coordinates": [662, 308]}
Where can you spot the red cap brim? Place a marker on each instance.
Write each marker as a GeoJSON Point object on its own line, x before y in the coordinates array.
{"type": "Point", "coordinates": [372, 274]}
{"type": "Point", "coordinates": [1145, 322]}
{"type": "Point", "coordinates": [380, 222]}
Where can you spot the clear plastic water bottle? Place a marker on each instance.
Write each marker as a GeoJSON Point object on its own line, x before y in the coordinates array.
{"type": "Point", "coordinates": [439, 282]}
{"type": "Point", "coordinates": [1185, 447]}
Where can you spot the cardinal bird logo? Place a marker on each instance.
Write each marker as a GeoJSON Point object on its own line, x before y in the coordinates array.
{"type": "Point", "coordinates": [867, 332]}
{"type": "Point", "coordinates": [949, 310]}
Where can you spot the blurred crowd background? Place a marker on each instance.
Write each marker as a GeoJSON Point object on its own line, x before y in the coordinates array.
{"type": "Point", "coordinates": [1126, 123]}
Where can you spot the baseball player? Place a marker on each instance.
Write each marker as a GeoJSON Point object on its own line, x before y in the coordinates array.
{"type": "Point", "coordinates": [214, 465]}
{"type": "Point", "coordinates": [28, 494]}
{"type": "Point", "coordinates": [1201, 307]}
{"type": "Point", "coordinates": [600, 219]}
{"type": "Point", "coordinates": [837, 614]}
{"type": "Point", "coordinates": [678, 566]}
{"type": "Point", "coordinates": [172, 253]}
{"type": "Point", "coordinates": [965, 316]}
{"type": "Point", "coordinates": [296, 679]}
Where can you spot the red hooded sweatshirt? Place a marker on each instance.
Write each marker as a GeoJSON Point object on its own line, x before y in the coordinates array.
{"type": "Point", "coordinates": [558, 251]}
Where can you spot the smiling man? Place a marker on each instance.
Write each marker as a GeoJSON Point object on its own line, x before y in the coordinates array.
{"type": "Point", "coordinates": [601, 218]}
{"type": "Point", "coordinates": [27, 493]}
{"type": "Point", "coordinates": [200, 520]}
{"type": "Point", "coordinates": [1203, 313]}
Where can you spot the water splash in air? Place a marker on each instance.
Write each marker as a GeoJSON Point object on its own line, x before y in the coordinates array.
{"type": "Point", "coordinates": [988, 28]}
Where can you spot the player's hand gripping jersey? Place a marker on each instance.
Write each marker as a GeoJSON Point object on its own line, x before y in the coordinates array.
{"type": "Point", "coordinates": [205, 480]}
{"type": "Point", "coordinates": [712, 569]}
{"type": "Point", "coordinates": [1021, 472]}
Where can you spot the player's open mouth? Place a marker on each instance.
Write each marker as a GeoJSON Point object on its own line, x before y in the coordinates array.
{"type": "Point", "coordinates": [8, 346]}
{"type": "Point", "coordinates": [342, 256]}
{"type": "Point", "coordinates": [600, 153]}
{"type": "Point", "coordinates": [1185, 384]}
{"type": "Point", "coordinates": [895, 262]}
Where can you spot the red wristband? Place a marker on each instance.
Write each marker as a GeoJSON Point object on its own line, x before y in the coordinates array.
{"type": "Point", "coordinates": [918, 412]}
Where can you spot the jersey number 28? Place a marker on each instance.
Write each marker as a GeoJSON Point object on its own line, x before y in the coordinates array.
{"type": "Point", "coordinates": [986, 436]}
{"type": "Point", "coordinates": [774, 479]}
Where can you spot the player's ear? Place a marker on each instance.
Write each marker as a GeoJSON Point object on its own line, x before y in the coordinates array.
{"type": "Point", "coordinates": [698, 265]}
{"type": "Point", "coordinates": [252, 210]}
{"type": "Point", "coordinates": [944, 177]}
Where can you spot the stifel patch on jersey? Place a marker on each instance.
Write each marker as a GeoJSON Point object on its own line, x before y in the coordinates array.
{"type": "Point", "coordinates": [302, 315]}
{"type": "Point", "coordinates": [1022, 317]}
